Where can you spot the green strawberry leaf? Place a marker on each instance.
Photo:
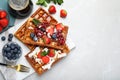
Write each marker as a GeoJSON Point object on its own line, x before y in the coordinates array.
{"type": "Point", "coordinates": [48, 1]}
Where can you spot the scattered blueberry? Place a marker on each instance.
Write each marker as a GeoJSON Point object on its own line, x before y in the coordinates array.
{"type": "Point", "coordinates": [10, 35]}
{"type": "Point", "coordinates": [9, 39]}
{"type": "Point", "coordinates": [3, 38]}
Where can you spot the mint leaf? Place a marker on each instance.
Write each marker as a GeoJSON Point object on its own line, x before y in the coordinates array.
{"type": "Point", "coordinates": [35, 21]}
{"type": "Point", "coordinates": [44, 53]}
{"type": "Point", "coordinates": [40, 2]}
{"type": "Point", "coordinates": [48, 1]}
{"type": "Point", "coordinates": [60, 2]}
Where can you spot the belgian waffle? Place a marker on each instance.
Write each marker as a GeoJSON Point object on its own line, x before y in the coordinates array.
{"type": "Point", "coordinates": [40, 67]}
{"type": "Point", "coordinates": [23, 33]}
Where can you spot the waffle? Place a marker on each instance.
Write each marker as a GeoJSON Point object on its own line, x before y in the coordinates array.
{"type": "Point", "coordinates": [40, 67]}
{"type": "Point", "coordinates": [23, 33]}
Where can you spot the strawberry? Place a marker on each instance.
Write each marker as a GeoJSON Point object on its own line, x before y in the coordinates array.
{"type": "Point", "coordinates": [51, 53]}
{"type": "Point", "coordinates": [3, 14]}
{"type": "Point", "coordinates": [50, 30]}
{"type": "Point", "coordinates": [59, 26]}
{"type": "Point", "coordinates": [45, 59]}
{"type": "Point", "coordinates": [46, 39]}
{"type": "Point", "coordinates": [4, 22]}
{"type": "Point", "coordinates": [52, 9]}
{"type": "Point", "coordinates": [63, 13]}
{"type": "Point", "coordinates": [1, 28]}
{"type": "Point", "coordinates": [39, 55]}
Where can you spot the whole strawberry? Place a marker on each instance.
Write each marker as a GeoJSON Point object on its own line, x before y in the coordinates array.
{"type": "Point", "coordinates": [4, 22]}
{"type": "Point", "coordinates": [52, 9]}
{"type": "Point", "coordinates": [3, 14]}
{"type": "Point", "coordinates": [63, 13]}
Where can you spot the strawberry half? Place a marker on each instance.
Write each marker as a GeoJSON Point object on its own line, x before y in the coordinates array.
{"type": "Point", "coordinates": [45, 59]}
{"type": "Point", "coordinates": [46, 39]}
{"type": "Point", "coordinates": [3, 14]}
{"type": "Point", "coordinates": [39, 55]}
{"type": "Point", "coordinates": [4, 22]}
{"type": "Point", "coordinates": [51, 53]}
{"type": "Point", "coordinates": [63, 13]}
{"type": "Point", "coordinates": [50, 30]}
{"type": "Point", "coordinates": [52, 9]}
{"type": "Point", "coordinates": [60, 26]}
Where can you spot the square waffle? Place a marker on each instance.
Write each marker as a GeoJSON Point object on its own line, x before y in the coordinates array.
{"type": "Point", "coordinates": [36, 61]}
{"type": "Point", "coordinates": [23, 33]}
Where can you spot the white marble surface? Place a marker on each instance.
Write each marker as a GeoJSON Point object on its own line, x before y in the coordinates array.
{"type": "Point", "coordinates": [95, 29]}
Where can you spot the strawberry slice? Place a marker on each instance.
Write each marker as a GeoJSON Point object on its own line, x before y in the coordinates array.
{"type": "Point", "coordinates": [4, 22]}
{"type": "Point", "coordinates": [3, 14]}
{"type": "Point", "coordinates": [39, 55]}
{"type": "Point", "coordinates": [50, 30]}
{"type": "Point", "coordinates": [45, 59]}
{"type": "Point", "coordinates": [51, 53]}
{"type": "Point", "coordinates": [60, 26]}
{"type": "Point", "coordinates": [46, 39]}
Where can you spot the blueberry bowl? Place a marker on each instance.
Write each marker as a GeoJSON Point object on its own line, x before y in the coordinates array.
{"type": "Point", "coordinates": [11, 52]}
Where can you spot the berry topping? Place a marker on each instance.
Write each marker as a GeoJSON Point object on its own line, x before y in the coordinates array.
{"type": "Point", "coordinates": [3, 14]}
{"type": "Point", "coordinates": [3, 38]}
{"type": "Point", "coordinates": [45, 59]}
{"type": "Point", "coordinates": [51, 53]}
{"type": "Point", "coordinates": [60, 26]}
{"type": "Point", "coordinates": [32, 35]}
{"type": "Point", "coordinates": [54, 36]}
{"type": "Point", "coordinates": [50, 30]}
{"type": "Point", "coordinates": [46, 39]}
{"type": "Point", "coordinates": [63, 13]}
{"type": "Point", "coordinates": [52, 9]}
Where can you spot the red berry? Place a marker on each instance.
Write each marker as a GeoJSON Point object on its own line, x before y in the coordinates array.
{"type": "Point", "coordinates": [1, 28]}
{"type": "Point", "coordinates": [45, 59]}
{"type": "Point", "coordinates": [4, 22]}
{"type": "Point", "coordinates": [46, 39]}
{"type": "Point", "coordinates": [3, 14]}
{"type": "Point", "coordinates": [52, 9]}
{"type": "Point", "coordinates": [60, 26]}
{"type": "Point", "coordinates": [51, 53]}
{"type": "Point", "coordinates": [50, 30]}
{"type": "Point", "coordinates": [63, 13]}
{"type": "Point", "coordinates": [39, 55]}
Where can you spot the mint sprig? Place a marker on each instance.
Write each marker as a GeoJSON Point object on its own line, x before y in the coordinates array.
{"type": "Point", "coordinates": [44, 2]}
{"type": "Point", "coordinates": [36, 22]}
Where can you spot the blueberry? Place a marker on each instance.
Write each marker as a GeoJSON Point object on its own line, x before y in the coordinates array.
{"type": "Point", "coordinates": [17, 55]}
{"type": "Point", "coordinates": [35, 38]}
{"type": "Point", "coordinates": [32, 35]}
{"type": "Point", "coordinates": [54, 35]}
{"type": "Point", "coordinates": [8, 45]}
{"type": "Point", "coordinates": [19, 52]}
{"type": "Point", "coordinates": [3, 38]}
{"type": "Point", "coordinates": [9, 39]}
{"type": "Point", "coordinates": [12, 47]}
{"type": "Point", "coordinates": [4, 53]}
{"type": "Point", "coordinates": [8, 54]}
{"type": "Point", "coordinates": [10, 35]}
{"type": "Point", "coordinates": [8, 49]}
{"type": "Point", "coordinates": [43, 29]}
{"type": "Point", "coordinates": [12, 51]}
{"type": "Point", "coordinates": [15, 50]}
